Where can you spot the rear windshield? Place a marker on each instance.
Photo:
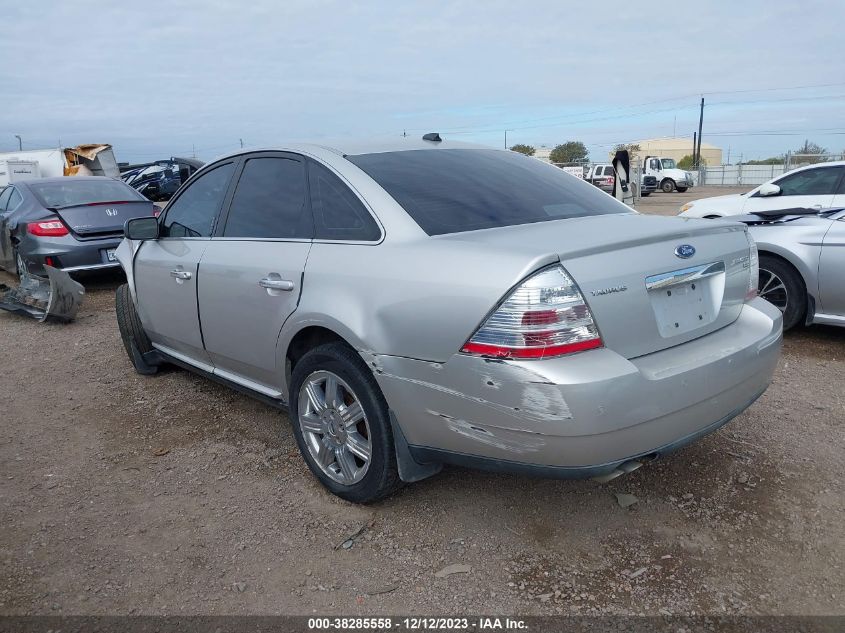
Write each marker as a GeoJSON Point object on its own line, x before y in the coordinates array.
{"type": "Point", "coordinates": [449, 191]}
{"type": "Point", "coordinates": [72, 192]}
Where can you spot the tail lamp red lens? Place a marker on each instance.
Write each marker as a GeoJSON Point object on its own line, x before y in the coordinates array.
{"type": "Point", "coordinates": [544, 317]}
{"type": "Point", "coordinates": [52, 227]}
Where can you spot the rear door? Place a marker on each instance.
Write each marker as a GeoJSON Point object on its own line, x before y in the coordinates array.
{"type": "Point", "coordinates": [166, 269]}
{"type": "Point", "coordinates": [832, 270]}
{"type": "Point", "coordinates": [251, 273]}
{"type": "Point", "coordinates": [809, 188]}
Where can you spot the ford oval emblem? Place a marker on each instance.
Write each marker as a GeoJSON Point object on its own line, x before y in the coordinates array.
{"type": "Point", "coordinates": [685, 251]}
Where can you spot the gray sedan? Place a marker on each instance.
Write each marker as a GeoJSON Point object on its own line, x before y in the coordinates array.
{"type": "Point", "coordinates": [802, 263]}
{"type": "Point", "coordinates": [70, 223]}
{"type": "Point", "coordinates": [423, 302]}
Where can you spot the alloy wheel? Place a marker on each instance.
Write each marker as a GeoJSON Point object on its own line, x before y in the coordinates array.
{"type": "Point", "coordinates": [335, 427]}
{"type": "Point", "coordinates": [773, 290]}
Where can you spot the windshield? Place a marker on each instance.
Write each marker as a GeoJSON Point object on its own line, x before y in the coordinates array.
{"type": "Point", "coordinates": [78, 191]}
{"type": "Point", "coordinates": [449, 191]}
{"type": "Point", "coordinates": [667, 163]}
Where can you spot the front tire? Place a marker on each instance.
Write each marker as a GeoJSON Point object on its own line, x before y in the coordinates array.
{"type": "Point", "coordinates": [645, 194]}
{"type": "Point", "coordinates": [135, 339]}
{"type": "Point", "coordinates": [667, 186]}
{"type": "Point", "coordinates": [341, 424]}
{"type": "Point", "coordinates": [782, 286]}
{"type": "Point", "coordinates": [681, 189]}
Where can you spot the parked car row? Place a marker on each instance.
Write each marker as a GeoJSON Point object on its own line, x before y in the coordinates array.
{"type": "Point", "coordinates": [369, 306]}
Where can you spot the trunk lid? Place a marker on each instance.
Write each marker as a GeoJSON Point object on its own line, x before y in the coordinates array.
{"type": "Point", "coordinates": [642, 295]}
{"type": "Point", "coordinates": [103, 218]}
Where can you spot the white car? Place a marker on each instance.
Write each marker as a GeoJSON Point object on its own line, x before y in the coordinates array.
{"type": "Point", "coordinates": [814, 187]}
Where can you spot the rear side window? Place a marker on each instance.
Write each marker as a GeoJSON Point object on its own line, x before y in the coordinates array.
{"type": "Point", "coordinates": [4, 198]}
{"type": "Point", "coordinates": [192, 213]}
{"type": "Point", "coordinates": [269, 201]}
{"type": "Point", "coordinates": [14, 200]}
{"type": "Point", "coordinates": [338, 213]}
{"type": "Point", "coordinates": [454, 190]}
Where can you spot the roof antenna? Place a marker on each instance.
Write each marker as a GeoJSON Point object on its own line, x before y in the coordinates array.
{"type": "Point", "coordinates": [432, 136]}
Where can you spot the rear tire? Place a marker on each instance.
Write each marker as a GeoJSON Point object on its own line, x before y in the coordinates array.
{"type": "Point", "coordinates": [329, 431]}
{"type": "Point", "coordinates": [135, 340]}
{"type": "Point", "coordinates": [667, 186]}
{"type": "Point", "coordinates": [782, 286]}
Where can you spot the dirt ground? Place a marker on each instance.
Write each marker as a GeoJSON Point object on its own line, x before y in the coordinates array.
{"type": "Point", "coordinates": [172, 495]}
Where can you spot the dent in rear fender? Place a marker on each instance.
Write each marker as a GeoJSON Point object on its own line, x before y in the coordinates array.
{"type": "Point", "coordinates": [517, 397]}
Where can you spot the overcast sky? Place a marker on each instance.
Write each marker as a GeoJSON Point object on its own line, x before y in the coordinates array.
{"type": "Point", "coordinates": [166, 78]}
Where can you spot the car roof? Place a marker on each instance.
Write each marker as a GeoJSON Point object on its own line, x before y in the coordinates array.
{"type": "Point", "coordinates": [354, 147]}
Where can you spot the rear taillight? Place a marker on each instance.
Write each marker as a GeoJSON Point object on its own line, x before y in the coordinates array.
{"type": "Point", "coordinates": [545, 316]}
{"type": "Point", "coordinates": [754, 268]}
{"type": "Point", "coordinates": [52, 227]}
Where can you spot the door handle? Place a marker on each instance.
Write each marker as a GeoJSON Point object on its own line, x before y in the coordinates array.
{"type": "Point", "coordinates": [180, 275]}
{"type": "Point", "coordinates": [276, 284]}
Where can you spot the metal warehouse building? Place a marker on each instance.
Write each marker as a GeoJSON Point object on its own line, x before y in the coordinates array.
{"type": "Point", "coordinates": [677, 148]}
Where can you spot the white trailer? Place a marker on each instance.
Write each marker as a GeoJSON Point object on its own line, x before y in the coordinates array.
{"type": "Point", "coordinates": [82, 160]}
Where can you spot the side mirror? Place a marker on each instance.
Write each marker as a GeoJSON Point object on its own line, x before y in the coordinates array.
{"type": "Point", "coordinates": [769, 189]}
{"type": "Point", "coordinates": [141, 229]}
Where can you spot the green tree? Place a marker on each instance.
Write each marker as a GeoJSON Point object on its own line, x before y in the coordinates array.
{"type": "Point", "coordinates": [774, 160]}
{"type": "Point", "coordinates": [523, 149]}
{"type": "Point", "coordinates": [569, 152]}
{"type": "Point", "coordinates": [811, 148]}
{"type": "Point", "coordinates": [687, 162]}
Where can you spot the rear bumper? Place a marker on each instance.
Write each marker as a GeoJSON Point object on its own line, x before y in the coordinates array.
{"type": "Point", "coordinates": [71, 254]}
{"type": "Point", "coordinates": [581, 415]}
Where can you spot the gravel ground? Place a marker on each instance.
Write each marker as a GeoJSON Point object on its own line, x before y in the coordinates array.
{"type": "Point", "coordinates": [172, 495]}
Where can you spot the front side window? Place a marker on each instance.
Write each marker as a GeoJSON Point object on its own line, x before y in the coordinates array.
{"type": "Point", "coordinates": [454, 190]}
{"type": "Point", "coordinates": [192, 214]}
{"type": "Point", "coordinates": [811, 182]}
{"type": "Point", "coordinates": [338, 213]}
{"type": "Point", "coordinates": [269, 201]}
{"type": "Point", "coordinates": [655, 164]}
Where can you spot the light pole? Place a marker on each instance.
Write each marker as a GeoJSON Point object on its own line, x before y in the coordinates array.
{"type": "Point", "coordinates": [506, 138]}
{"type": "Point", "coordinates": [20, 142]}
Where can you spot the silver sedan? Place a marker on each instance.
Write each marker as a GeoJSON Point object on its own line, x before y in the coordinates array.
{"type": "Point", "coordinates": [802, 263]}
{"type": "Point", "coordinates": [423, 302]}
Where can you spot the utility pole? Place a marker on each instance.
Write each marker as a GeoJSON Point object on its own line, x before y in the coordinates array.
{"type": "Point", "coordinates": [194, 150]}
{"type": "Point", "coordinates": [506, 138]}
{"type": "Point", "coordinates": [675, 126]}
{"type": "Point", "coordinates": [242, 142]}
{"type": "Point", "coordinates": [700, 123]}
{"type": "Point", "coordinates": [20, 142]}
{"type": "Point", "coordinates": [694, 137]}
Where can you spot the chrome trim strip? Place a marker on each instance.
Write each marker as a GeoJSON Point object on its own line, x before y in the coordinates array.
{"type": "Point", "coordinates": [684, 275]}
{"type": "Point", "coordinates": [73, 269]}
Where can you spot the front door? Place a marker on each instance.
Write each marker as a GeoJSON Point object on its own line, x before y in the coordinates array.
{"type": "Point", "coordinates": [166, 269]}
{"type": "Point", "coordinates": [251, 272]}
{"type": "Point", "coordinates": [806, 189]}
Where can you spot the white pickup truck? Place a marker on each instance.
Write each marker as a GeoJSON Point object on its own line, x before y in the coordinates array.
{"type": "Point", "coordinates": [669, 177]}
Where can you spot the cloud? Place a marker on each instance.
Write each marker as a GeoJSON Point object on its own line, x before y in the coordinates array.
{"type": "Point", "coordinates": [158, 78]}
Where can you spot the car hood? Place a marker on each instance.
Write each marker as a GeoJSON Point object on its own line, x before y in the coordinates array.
{"type": "Point", "coordinates": [732, 203]}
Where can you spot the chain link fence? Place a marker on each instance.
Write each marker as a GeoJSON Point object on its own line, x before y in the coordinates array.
{"type": "Point", "coordinates": [753, 175]}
